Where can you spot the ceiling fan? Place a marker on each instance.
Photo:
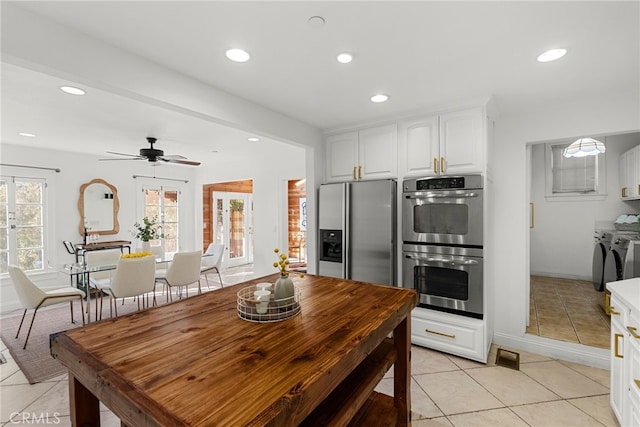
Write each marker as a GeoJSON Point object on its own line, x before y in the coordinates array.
{"type": "Point", "coordinates": [154, 155]}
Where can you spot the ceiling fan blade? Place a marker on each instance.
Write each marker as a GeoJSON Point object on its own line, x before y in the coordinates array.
{"type": "Point", "coordinates": [174, 156]}
{"type": "Point", "coordinates": [182, 162]}
{"type": "Point", "coordinates": [132, 158]}
{"type": "Point", "coordinates": [124, 154]}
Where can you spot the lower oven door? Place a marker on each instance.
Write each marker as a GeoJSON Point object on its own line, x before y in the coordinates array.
{"type": "Point", "coordinates": [446, 278]}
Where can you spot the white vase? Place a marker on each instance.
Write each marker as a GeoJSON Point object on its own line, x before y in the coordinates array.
{"type": "Point", "coordinates": [146, 246]}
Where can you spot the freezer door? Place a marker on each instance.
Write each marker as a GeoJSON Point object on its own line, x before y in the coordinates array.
{"type": "Point", "coordinates": [332, 216]}
{"type": "Point", "coordinates": [372, 229]}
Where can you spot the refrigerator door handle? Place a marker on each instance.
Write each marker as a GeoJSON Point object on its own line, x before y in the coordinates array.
{"type": "Point", "coordinates": [346, 245]}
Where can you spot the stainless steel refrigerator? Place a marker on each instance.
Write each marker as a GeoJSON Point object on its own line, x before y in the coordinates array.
{"type": "Point", "coordinates": [357, 231]}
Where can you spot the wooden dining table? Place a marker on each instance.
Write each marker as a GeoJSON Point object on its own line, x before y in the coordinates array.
{"type": "Point", "coordinates": [195, 362]}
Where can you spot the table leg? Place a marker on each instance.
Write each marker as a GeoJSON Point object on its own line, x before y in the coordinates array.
{"type": "Point", "coordinates": [85, 407]}
{"type": "Point", "coordinates": [402, 372]}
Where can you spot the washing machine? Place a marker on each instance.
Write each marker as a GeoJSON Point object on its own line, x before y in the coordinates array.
{"type": "Point", "coordinates": [623, 259]}
{"type": "Point", "coordinates": [601, 249]}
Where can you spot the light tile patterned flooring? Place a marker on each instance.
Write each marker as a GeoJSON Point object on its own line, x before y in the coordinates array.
{"type": "Point", "coordinates": [445, 391]}
{"type": "Point", "coordinates": [567, 310]}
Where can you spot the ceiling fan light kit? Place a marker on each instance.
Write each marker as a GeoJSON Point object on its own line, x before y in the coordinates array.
{"type": "Point", "coordinates": [154, 155]}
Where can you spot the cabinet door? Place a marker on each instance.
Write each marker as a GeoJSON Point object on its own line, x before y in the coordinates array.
{"type": "Point", "coordinates": [419, 146]}
{"type": "Point", "coordinates": [618, 378]}
{"type": "Point", "coordinates": [461, 142]}
{"type": "Point", "coordinates": [378, 152]}
{"type": "Point", "coordinates": [342, 156]}
{"type": "Point", "coordinates": [632, 170]}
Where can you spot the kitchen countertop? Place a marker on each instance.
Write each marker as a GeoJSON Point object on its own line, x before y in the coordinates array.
{"type": "Point", "coordinates": [627, 290]}
{"type": "Point", "coordinates": [195, 362]}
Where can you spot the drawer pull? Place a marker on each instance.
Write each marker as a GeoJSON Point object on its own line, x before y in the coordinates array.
{"type": "Point", "coordinates": [615, 346]}
{"type": "Point", "coordinates": [609, 309]}
{"type": "Point", "coordinates": [440, 333]}
{"type": "Point", "coordinates": [633, 332]}
{"type": "Point", "coordinates": [637, 383]}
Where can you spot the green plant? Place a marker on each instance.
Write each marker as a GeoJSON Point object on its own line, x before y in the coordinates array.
{"type": "Point", "coordinates": [148, 230]}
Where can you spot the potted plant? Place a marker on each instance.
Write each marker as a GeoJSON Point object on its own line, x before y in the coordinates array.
{"type": "Point", "coordinates": [146, 231]}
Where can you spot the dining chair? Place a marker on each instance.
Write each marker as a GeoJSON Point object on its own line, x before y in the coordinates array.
{"type": "Point", "coordinates": [183, 271]}
{"type": "Point", "coordinates": [32, 296]}
{"type": "Point", "coordinates": [212, 260]}
{"type": "Point", "coordinates": [133, 277]}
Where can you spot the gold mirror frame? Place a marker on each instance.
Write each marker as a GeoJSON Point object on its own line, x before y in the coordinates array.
{"type": "Point", "coordinates": [116, 208]}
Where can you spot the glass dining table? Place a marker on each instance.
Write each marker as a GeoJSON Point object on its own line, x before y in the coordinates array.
{"type": "Point", "coordinates": [80, 277]}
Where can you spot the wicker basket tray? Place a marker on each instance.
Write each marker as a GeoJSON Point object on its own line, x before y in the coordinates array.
{"type": "Point", "coordinates": [634, 226]}
{"type": "Point", "coordinates": [277, 310]}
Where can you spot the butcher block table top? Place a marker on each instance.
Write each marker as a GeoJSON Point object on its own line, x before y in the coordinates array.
{"type": "Point", "coordinates": [195, 362]}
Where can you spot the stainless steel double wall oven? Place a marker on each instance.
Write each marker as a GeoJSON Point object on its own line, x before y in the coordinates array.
{"type": "Point", "coordinates": [442, 233]}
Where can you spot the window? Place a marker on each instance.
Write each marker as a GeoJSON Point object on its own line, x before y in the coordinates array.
{"type": "Point", "coordinates": [573, 176]}
{"type": "Point", "coordinates": [162, 202]}
{"type": "Point", "coordinates": [22, 224]}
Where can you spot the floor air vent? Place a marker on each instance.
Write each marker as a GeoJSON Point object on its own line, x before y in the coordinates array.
{"type": "Point", "coordinates": [508, 359]}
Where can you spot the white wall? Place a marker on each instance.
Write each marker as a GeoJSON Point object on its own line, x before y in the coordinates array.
{"type": "Point", "coordinates": [570, 224]}
{"type": "Point", "coordinates": [508, 259]}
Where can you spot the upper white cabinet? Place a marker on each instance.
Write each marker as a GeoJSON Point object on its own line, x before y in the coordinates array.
{"type": "Point", "coordinates": [369, 153]}
{"type": "Point", "coordinates": [445, 144]}
{"type": "Point", "coordinates": [630, 174]}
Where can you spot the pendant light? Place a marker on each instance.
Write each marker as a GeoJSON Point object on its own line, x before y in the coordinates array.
{"type": "Point", "coordinates": [584, 147]}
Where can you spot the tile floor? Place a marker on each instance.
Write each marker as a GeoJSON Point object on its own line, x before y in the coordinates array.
{"type": "Point", "coordinates": [445, 391]}
{"type": "Point", "coordinates": [568, 310]}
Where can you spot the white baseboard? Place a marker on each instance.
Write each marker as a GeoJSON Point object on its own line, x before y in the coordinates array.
{"type": "Point", "coordinates": [578, 353]}
{"type": "Point", "coordinates": [561, 276]}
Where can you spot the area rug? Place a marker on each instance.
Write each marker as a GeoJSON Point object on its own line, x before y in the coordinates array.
{"type": "Point", "coordinates": [36, 362]}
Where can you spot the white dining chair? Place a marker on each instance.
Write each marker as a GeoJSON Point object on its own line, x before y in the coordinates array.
{"type": "Point", "coordinates": [31, 296]}
{"type": "Point", "coordinates": [212, 261]}
{"type": "Point", "coordinates": [133, 277]}
{"type": "Point", "coordinates": [184, 270]}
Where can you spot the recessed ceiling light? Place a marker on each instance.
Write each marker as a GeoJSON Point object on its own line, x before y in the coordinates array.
{"type": "Point", "coordinates": [28, 135]}
{"type": "Point", "coordinates": [72, 90]}
{"type": "Point", "coordinates": [253, 139]}
{"type": "Point", "coordinates": [345, 58]}
{"type": "Point", "coordinates": [552, 55]}
{"type": "Point", "coordinates": [316, 21]}
{"type": "Point", "coordinates": [380, 97]}
{"type": "Point", "coordinates": [238, 55]}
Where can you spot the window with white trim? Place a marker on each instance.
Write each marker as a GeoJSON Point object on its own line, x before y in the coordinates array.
{"type": "Point", "coordinates": [23, 210]}
{"type": "Point", "coordinates": [163, 203]}
{"type": "Point", "coordinates": [574, 176]}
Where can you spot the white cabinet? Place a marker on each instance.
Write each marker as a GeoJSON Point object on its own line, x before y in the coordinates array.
{"type": "Point", "coordinates": [369, 153]}
{"type": "Point", "coordinates": [450, 333]}
{"type": "Point", "coordinates": [445, 144]}
{"type": "Point", "coordinates": [625, 349]}
{"type": "Point", "coordinates": [629, 172]}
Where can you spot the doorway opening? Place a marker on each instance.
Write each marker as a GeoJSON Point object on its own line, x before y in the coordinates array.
{"type": "Point", "coordinates": [228, 219]}
{"type": "Point", "coordinates": [297, 224]}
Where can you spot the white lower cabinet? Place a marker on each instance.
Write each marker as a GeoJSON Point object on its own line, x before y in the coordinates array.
{"type": "Point", "coordinates": [450, 333]}
{"type": "Point", "coordinates": [625, 351]}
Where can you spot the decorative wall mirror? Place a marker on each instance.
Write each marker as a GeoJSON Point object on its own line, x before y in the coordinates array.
{"type": "Point", "coordinates": [98, 205]}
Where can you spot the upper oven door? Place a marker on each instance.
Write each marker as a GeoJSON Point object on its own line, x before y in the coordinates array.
{"type": "Point", "coordinates": [452, 217]}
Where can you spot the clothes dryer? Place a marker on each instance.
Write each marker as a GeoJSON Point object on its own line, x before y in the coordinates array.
{"type": "Point", "coordinates": [600, 251]}
{"type": "Point", "coordinates": [617, 265]}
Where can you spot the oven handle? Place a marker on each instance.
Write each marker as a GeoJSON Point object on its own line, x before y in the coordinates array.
{"type": "Point", "coordinates": [441, 196]}
{"type": "Point", "coordinates": [441, 260]}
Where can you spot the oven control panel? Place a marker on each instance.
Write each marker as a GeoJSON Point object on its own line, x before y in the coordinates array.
{"type": "Point", "coordinates": [443, 183]}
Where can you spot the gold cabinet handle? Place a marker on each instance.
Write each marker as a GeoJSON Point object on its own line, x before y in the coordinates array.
{"type": "Point", "coordinates": [354, 172]}
{"type": "Point", "coordinates": [532, 209]}
{"type": "Point", "coordinates": [608, 308]}
{"type": "Point", "coordinates": [616, 353]}
{"type": "Point", "coordinates": [359, 172]}
{"type": "Point", "coordinates": [435, 165]}
{"type": "Point", "coordinates": [637, 383]}
{"type": "Point", "coordinates": [440, 333]}
{"type": "Point", "coordinates": [624, 191]}
{"type": "Point", "coordinates": [633, 331]}
{"type": "Point", "coordinates": [441, 164]}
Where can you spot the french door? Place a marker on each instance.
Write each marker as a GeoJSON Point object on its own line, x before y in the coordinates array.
{"type": "Point", "coordinates": [233, 226]}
